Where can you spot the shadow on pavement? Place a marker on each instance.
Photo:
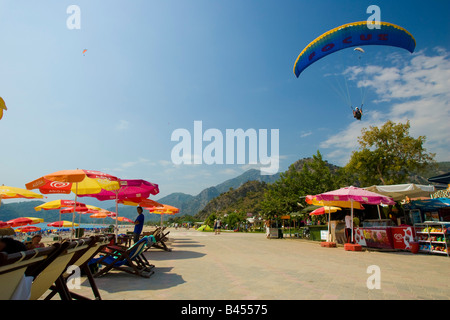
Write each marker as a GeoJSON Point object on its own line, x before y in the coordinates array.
{"type": "Point", "coordinates": [173, 255]}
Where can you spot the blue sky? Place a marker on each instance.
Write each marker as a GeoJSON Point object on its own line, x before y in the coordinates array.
{"type": "Point", "coordinates": [156, 66]}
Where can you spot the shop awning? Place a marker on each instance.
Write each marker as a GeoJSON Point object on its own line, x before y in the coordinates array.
{"type": "Point", "coordinates": [429, 204]}
{"type": "Point", "coordinates": [400, 191]}
{"type": "Point", "coordinates": [443, 178]}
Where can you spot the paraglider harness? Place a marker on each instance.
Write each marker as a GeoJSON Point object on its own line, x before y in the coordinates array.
{"type": "Point", "coordinates": [357, 114]}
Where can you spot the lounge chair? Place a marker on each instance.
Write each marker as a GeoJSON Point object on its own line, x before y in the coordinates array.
{"type": "Point", "coordinates": [125, 259]}
{"type": "Point", "coordinates": [13, 267]}
{"type": "Point", "coordinates": [81, 260]}
{"type": "Point", "coordinates": [47, 274]}
{"type": "Point", "coordinates": [160, 240]}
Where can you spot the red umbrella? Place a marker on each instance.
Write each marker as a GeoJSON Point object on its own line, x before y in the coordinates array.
{"type": "Point", "coordinates": [4, 225]}
{"type": "Point", "coordinates": [18, 222]}
{"type": "Point", "coordinates": [28, 229]}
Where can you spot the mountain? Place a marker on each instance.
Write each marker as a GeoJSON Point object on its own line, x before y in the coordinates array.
{"type": "Point", "coordinates": [245, 199]}
{"type": "Point", "coordinates": [191, 205]}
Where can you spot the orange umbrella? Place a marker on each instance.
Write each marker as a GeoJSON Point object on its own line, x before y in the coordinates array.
{"type": "Point", "coordinates": [162, 210]}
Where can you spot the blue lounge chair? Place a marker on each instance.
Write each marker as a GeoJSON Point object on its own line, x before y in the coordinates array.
{"type": "Point", "coordinates": [125, 259]}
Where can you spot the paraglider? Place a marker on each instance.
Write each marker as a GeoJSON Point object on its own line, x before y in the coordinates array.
{"type": "Point", "coordinates": [354, 34]}
{"type": "Point", "coordinates": [84, 51]}
{"type": "Point", "coordinates": [349, 35]}
{"type": "Point", "coordinates": [2, 107]}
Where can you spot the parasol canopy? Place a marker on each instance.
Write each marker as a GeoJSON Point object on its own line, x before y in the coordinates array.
{"type": "Point", "coordinates": [355, 194]}
{"type": "Point", "coordinates": [18, 222]}
{"type": "Point", "coordinates": [27, 229]}
{"type": "Point", "coordinates": [342, 204]}
{"type": "Point", "coordinates": [323, 210]}
{"type": "Point", "coordinates": [15, 193]}
{"type": "Point", "coordinates": [62, 224]}
{"type": "Point", "coordinates": [76, 181]}
{"type": "Point", "coordinates": [399, 192]}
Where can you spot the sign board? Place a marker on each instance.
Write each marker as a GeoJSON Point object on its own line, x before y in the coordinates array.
{"type": "Point", "coordinates": [324, 235]}
{"type": "Point", "coordinates": [273, 232]}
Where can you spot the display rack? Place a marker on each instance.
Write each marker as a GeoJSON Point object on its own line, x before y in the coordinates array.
{"type": "Point", "coordinates": [433, 237]}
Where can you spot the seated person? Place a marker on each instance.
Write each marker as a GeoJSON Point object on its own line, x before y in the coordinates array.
{"type": "Point", "coordinates": [357, 113]}
{"type": "Point", "coordinates": [10, 245]}
{"type": "Point", "coordinates": [35, 242]}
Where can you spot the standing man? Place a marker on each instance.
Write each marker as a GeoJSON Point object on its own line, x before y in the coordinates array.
{"type": "Point", "coordinates": [138, 224]}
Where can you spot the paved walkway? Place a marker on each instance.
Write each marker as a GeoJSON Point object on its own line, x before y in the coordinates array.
{"type": "Point", "coordinates": [204, 266]}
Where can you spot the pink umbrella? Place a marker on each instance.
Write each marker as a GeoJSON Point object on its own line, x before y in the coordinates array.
{"type": "Point", "coordinates": [355, 194]}
{"type": "Point", "coordinates": [129, 188]}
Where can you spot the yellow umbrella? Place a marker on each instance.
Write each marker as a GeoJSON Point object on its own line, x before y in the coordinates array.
{"type": "Point", "coordinates": [62, 224]}
{"type": "Point", "coordinates": [342, 204]}
{"type": "Point", "coordinates": [17, 193]}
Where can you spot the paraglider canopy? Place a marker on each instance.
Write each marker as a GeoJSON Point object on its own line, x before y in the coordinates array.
{"type": "Point", "coordinates": [354, 34]}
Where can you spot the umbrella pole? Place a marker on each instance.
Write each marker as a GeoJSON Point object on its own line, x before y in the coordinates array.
{"type": "Point", "coordinates": [117, 214]}
{"type": "Point", "coordinates": [351, 202]}
{"type": "Point", "coordinates": [74, 210]}
{"type": "Point", "coordinates": [60, 227]}
{"type": "Point", "coordinates": [329, 218]}
{"type": "Point", "coordinates": [379, 214]}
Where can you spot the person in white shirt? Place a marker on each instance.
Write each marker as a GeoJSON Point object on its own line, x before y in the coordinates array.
{"type": "Point", "coordinates": [348, 228]}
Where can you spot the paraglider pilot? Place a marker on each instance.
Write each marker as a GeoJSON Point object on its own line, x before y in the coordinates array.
{"type": "Point", "coordinates": [357, 113]}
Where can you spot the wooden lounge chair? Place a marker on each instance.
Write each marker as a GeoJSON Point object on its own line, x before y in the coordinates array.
{"type": "Point", "coordinates": [81, 259]}
{"type": "Point", "coordinates": [13, 267]}
{"type": "Point", "coordinates": [48, 274]}
{"type": "Point", "coordinates": [160, 239]}
{"type": "Point", "coordinates": [125, 259]}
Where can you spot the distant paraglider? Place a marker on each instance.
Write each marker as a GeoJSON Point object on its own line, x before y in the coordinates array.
{"type": "Point", "coordinates": [2, 107]}
{"type": "Point", "coordinates": [84, 51]}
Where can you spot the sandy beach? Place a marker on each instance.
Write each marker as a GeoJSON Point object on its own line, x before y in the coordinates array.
{"type": "Point", "coordinates": [247, 266]}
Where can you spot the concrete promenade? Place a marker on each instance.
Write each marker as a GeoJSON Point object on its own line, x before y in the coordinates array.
{"type": "Point", "coordinates": [243, 266]}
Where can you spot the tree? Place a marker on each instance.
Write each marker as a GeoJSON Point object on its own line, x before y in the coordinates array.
{"type": "Point", "coordinates": [388, 155]}
{"type": "Point", "coordinates": [313, 177]}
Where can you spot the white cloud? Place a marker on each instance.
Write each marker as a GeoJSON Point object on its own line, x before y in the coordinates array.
{"type": "Point", "coordinates": [417, 89]}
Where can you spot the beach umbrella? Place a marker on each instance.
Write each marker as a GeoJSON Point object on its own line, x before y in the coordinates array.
{"type": "Point", "coordinates": [323, 210]}
{"type": "Point", "coordinates": [59, 204]}
{"type": "Point", "coordinates": [27, 229]}
{"type": "Point", "coordinates": [122, 219]}
{"type": "Point", "coordinates": [341, 204]}
{"type": "Point", "coordinates": [77, 181]}
{"type": "Point", "coordinates": [162, 210]}
{"type": "Point", "coordinates": [18, 222]}
{"type": "Point", "coordinates": [353, 194]}
{"type": "Point", "coordinates": [62, 224]}
{"type": "Point", "coordinates": [7, 192]}
{"type": "Point", "coordinates": [135, 189]}
{"type": "Point", "coordinates": [4, 225]}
